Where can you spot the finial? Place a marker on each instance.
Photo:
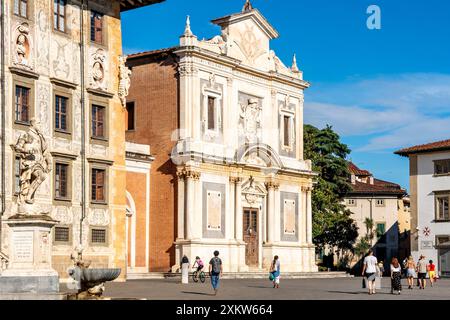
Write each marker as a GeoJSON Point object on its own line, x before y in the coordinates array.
{"type": "Point", "coordinates": [187, 29]}
{"type": "Point", "coordinates": [294, 67]}
{"type": "Point", "coordinates": [247, 7]}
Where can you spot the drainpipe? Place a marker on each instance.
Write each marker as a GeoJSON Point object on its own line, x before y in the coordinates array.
{"type": "Point", "coordinates": [83, 122]}
{"type": "Point", "coordinates": [3, 122]}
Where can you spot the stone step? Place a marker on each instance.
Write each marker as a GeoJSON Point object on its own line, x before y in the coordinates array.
{"type": "Point", "coordinates": [245, 275]}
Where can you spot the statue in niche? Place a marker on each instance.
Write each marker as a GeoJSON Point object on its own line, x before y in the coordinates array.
{"type": "Point", "coordinates": [124, 80]}
{"type": "Point", "coordinates": [22, 46]}
{"type": "Point", "coordinates": [250, 120]}
{"type": "Point", "coordinates": [98, 70]}
{"type": "Point", "coordinates": [35, 163]}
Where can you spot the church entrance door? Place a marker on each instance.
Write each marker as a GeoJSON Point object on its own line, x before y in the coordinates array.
{"type": "Point", "coordinates": [250, 229]}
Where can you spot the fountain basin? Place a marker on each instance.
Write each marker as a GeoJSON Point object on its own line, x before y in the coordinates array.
{"type": "Point", "coordinates": [99, 275]}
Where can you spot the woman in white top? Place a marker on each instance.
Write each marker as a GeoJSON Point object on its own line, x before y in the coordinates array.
{"type": "Point", "coordinates": [370, 270]}
{"type": "Point", "coordinates": [396, 276]}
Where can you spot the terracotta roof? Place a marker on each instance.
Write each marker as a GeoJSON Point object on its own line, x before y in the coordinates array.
{"type": "Point", "coordinates": [357, 171]}
{"type": "Point", "coordinates": [379, 187]}
{"type": "Point", "coordinates": [126, 5]}
{"type": "Point", "coordinates": [150, 53]}
{"type": "Point", "coordinates": [429, 147]}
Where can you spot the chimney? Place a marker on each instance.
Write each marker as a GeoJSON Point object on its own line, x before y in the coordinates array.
{"type": "Point", "coordinates": [353, 179]}
{"type": "Point", "coordinates": [371, 179]}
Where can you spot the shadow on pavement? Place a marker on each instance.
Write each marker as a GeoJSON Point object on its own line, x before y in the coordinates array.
{"type": "Point", "coordinates": [198, 293]}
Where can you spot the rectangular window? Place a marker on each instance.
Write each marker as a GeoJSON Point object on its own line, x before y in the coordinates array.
{"type": "Point", "coordinates": [22, 103]}
{"type": "Point", "coordinates": [211, 113]}
{"type": "Point", "coordinates": [442, 166]}
{"type": "Point", "coordinates": [442, 207]}
{"type": "Point", "coordinates": [381, 229]}
{"type": "Point", "coordinates": [130, 116]}
{"type": "Point", "coordinates": [59, 15]}
{"type": "Point", "coordinates": [61, 113]}
{"type": "Point", "coordinates": [98, 236]}
{"type": "Point", "coordinates": [96, 27]}
{"type": "Point", "coordinates": [21, 8]}
{"type": "Point", "coordinates": [98, 185]}
{"type": "Point", "coordinates": [62, 234]}
{"type": "Point", "coordinates": [286, 131]}
{"type": "Point", "coordinates": [16, 175]}
{"type": "Point", "coordinates": [98, 121]}
{"type": "Point", "coordinates": [61, 181]}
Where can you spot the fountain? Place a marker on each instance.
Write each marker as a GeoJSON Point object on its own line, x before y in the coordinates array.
{"type": "Point", "coordinates": [90, 282]}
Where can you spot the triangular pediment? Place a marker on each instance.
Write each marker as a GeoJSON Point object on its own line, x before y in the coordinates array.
{"type": "Point", "coordinates": [235, 20]}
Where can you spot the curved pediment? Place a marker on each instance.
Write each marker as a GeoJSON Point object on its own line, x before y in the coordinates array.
{"type": "Point", "coordinates": [259, 155]}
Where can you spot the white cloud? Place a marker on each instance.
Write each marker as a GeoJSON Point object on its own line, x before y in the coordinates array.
{"type": "Point", "coordinates": [404, 110]}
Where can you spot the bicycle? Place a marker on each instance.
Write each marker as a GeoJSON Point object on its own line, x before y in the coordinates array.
{"type": "Point", "coordinates": [198, 275]}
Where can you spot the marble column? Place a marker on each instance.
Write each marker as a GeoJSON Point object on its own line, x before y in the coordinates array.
{"type": "Point", "coordinates": [181, 204]}
{"type": "Point", "coordinates": [190, 177]}
{"type": "Point", "coordinates": [230, 217]}
{"type": "Point", "coordinates": [277, 214]}
{"type": "Point", "coordinates": [238, 209]}
{"type": "Point", "coordinates": [309, 215]}
{"type": "Point", "coordinates": [304, 221]}
{"type": "Point", "coordinates": [270, 212]}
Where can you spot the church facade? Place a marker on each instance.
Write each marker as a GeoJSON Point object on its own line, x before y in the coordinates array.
{"type": "Point", "coordinates": [63, 73]}
{"type": "Point", "coordinates": [224, 119]}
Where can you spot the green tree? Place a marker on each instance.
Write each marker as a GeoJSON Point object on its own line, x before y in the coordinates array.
{"type": "Point", "coordinates": [332, 224]}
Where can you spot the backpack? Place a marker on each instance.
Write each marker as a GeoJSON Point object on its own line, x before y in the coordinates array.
{"type": "Point", "coordinates": [216, 263]}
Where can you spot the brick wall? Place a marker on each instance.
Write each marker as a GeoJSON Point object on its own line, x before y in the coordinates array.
{"type": "Point", "coordinates": [154, 90]}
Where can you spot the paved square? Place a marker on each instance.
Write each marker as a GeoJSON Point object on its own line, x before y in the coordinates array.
{"type": "Point", "coordinates": [260, 289]}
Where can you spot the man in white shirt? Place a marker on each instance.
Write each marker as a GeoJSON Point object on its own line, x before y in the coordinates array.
{"type": "Point", "coordinates": [370, 270]}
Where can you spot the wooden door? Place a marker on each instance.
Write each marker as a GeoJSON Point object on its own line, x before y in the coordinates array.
{"type": "Point", "coordinates": [250, 229]}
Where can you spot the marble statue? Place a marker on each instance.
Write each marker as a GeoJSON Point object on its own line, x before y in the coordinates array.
{"type": "Point", "coordinates": [251, 116]}
{"type": "Point", "coordinates": [124, 80]}
{"type": "Point", "coordinates": [35, 162]}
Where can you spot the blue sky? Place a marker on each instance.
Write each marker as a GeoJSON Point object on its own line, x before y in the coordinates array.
{"type": "Point", "coordinates": [380, 89]}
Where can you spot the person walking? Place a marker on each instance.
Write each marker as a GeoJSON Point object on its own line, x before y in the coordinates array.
{"type": "Point", "coordinates": [410, 272]}
{"type": "Point", "coordinates": [370, 271]}
{"type": "Point", "coordinates": [422, 270]}
{"type": "Point", "coordinates": [432, 272]}
{"type": "Point", "coordinates": [396, 276]}
{"type": "Point", "coordinates": [275, 270]}
{"type": "Point", "coordinates": [215, 271]}
{"type": "Point", "coordinates": [381, 268]}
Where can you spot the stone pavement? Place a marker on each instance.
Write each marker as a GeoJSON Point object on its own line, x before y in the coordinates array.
{"type": "Point", "coordinates": [254, 289]}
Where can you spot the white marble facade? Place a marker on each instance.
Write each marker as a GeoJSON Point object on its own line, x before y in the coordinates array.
{"type": "Point", "coordinates": [244, 187]}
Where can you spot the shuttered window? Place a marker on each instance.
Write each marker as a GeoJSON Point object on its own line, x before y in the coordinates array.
{"type": "Point", "coordinates": [22, 104]}
{"type": "Point", "coordinates": [61, 113]}
{"type": "Point", "coordinates": [211, 113]}
{"type": "Point", "coordinates": [59, 15]}
{"type": "Point", "coordinates": [442, 166]}
{"type": "Point", "coordinates": [96, 27]}
{"type": "Point", "coordinates": [98, 185]}
{"type": "Point", "coordinates": [442, 207]}
{"type": "Point", "coordinates": [21, 8]}
{"type": "Point", "coordinates": [61, 181]}
{"type": "Point", "coordinates": [98, 121]}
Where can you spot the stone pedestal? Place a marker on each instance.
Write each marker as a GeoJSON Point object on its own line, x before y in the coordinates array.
{"type": "Point", "coordinates": [30, 248]}
{"type": "Point", "coordinates": [185, 273]}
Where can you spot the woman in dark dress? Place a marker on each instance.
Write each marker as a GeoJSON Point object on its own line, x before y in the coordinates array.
{"type": "Point", "coordinates": [396, 276]}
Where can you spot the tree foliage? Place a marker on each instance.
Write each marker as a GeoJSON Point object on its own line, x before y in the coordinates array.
{"type": "Point", "coordinates": [332, 224]}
